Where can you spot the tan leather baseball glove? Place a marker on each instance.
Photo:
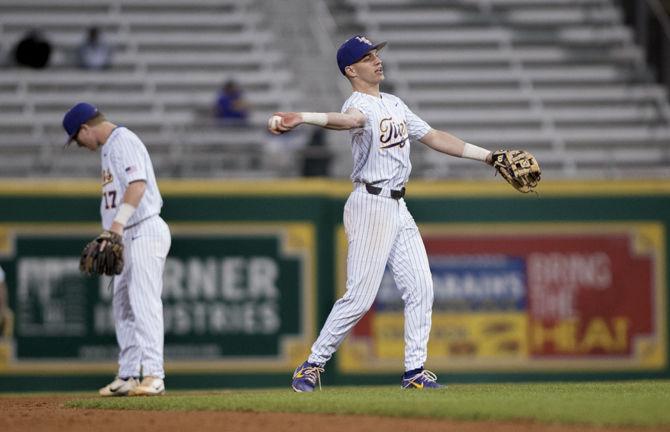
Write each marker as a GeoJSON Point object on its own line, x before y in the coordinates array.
{"type": "Point", "coordinates": [518, 167]}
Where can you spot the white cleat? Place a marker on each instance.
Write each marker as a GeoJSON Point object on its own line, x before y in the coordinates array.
{"type": "Point", "coordinates": [119, 387]}
{"type": "Point", "coordinates": [150, 386]}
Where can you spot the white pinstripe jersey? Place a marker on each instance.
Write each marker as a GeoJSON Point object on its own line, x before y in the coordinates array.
{"type": "Point", "coordinates": [125, 159]}
{"type": "Point", "coordinates": [381, 147]}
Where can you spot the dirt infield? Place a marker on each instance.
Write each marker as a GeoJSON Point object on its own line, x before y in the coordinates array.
{"type": "Point", "coordinates": [36, 414]}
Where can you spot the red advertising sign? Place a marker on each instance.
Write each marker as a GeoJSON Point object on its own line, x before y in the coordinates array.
{"type": "Point", "coordinates": [540, 296]}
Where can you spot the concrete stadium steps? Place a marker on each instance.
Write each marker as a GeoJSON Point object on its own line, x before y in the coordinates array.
{"type": "Point", "coordinates": [170, 57]}
{"type": "Point", "coordinates": [562, 79]}
{"type": "Point", "coordinates": [494, 56]}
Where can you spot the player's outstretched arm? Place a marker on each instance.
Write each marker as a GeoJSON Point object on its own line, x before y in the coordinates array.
{"type": "Point", "coordinates": [447, 143]}
{"type": "Point", "coordinates": [282, 122]}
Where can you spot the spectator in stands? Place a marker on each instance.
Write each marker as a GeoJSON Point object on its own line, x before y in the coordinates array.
{"type": "Point", "coordinates": [316, 161]}
{"type": "Point", "coordinates": [33, 50]}
{"type": "Point", "coordinates": [94, 53]}
{"type": "Point", "coordinates": [231, 106]}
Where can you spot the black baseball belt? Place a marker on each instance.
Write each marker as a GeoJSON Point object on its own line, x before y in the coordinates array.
{"type": "Point", "coordinates": [395, 194]}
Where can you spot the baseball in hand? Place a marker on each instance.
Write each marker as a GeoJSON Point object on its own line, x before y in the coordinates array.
{"type": "Point", "coordinates": [274, 122]}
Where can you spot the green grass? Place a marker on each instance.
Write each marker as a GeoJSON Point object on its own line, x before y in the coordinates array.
{"type": "Point", "coordinates": [638, 403]}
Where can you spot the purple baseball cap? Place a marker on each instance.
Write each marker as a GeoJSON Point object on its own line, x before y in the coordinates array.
{"type": "Point", "coordinates": [355, 49]}
{"type": "Point", "coordinates": [77, 116]}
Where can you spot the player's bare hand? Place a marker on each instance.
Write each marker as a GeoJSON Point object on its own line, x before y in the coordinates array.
{"type": "Point", "coordinates": [281, 122]}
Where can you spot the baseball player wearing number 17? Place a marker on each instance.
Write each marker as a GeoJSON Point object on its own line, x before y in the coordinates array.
{"type": "Point", "coordinates": [130, 210]}
{"type": "Point", "coordinates": [379, 227]}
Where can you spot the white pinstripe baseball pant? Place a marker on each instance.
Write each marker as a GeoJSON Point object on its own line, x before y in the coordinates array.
{"type": "Point", "coordinates": [137, 304]}
{"type": "Point", "coordinates": [381, 230]}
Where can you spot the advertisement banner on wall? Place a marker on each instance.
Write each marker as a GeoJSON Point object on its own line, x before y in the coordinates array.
{"type": "Point", "coordinates": [520, 297]}
{"type": "Point", "coordinates": [235, 297]}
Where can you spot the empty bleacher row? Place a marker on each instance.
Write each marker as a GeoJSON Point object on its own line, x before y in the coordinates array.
{"type": "Point", "coordinates": [561, 78]}
{"type": "Point", "coordinates": [170, 58]}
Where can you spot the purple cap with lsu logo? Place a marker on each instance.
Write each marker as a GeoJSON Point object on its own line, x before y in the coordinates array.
{"type": "Point", "coordinates": [355, 49]}
{"type": "Point", "coordinates": [77, 116]}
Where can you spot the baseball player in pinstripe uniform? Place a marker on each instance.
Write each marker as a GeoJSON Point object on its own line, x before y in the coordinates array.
{"type": "Point", "coordinates": [379, 227]}
{"type": "Point", "coordinates": [130, 206]}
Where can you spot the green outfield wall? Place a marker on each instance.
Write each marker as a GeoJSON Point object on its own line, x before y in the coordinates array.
{"type": "Point", "coordinates": [567, 284]}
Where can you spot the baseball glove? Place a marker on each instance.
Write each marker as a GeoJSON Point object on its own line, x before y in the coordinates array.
{"type": "Point", "coordinates": [518, 167]}
{"type": "Point", "coordinates": [103, 255]}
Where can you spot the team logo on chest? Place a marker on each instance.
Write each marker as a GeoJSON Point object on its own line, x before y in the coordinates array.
{"type": "Point", "coordinates": [106, 177]}
{"type": "Point", "coordinates": [392, 133]}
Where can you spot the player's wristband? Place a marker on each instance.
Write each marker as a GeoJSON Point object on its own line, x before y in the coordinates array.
{"type": "Point", "coordinates": [471, 151]}
{"type": "Point", "coordinates": [124, 213]}
{"type": "Point", "coordinates": [319, 119]}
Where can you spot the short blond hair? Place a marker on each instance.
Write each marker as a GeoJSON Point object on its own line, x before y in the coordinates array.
{"type": "Point", "coordinates": [96, 119]}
